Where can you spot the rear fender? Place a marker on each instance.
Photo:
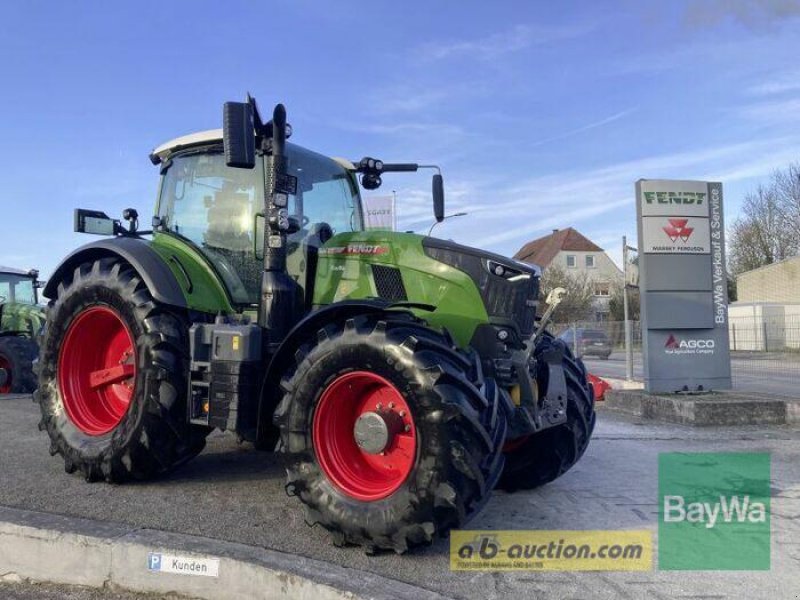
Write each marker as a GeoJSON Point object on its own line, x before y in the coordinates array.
{"type": "Point", "coordinates": [156, 275]}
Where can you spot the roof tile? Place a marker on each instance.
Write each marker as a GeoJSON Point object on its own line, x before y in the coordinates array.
{"type": "Point", "coordinates": [543, 250]}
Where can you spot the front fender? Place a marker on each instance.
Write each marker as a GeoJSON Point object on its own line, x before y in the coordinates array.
{"type": "Point", "coordinates": [148, 264]}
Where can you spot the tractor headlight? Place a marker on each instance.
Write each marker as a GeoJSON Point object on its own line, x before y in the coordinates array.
{"type": "Point", "coordinates": [505, 271]}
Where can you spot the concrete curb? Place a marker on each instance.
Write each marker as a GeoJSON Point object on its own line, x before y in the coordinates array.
{"type": "Point", "coordinates": [715, 409]}
{"type": "Point", "coordinates": [53, 548]}
{"type": "Point", "coordinates": [623, 384]}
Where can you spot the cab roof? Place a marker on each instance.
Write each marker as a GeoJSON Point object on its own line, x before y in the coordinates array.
{"type": "Point", "coordinates": [185, 141]}
{"type": "Point", "coordinates": [209, 136]}
{"type": "Point", "coordinates": [13, 271]}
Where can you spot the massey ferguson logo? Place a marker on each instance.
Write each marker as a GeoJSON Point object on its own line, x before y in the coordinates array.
{"type": "Point", "coordinates": [676, 345]}
{"type": "Point", "coordinates": [677, 229]}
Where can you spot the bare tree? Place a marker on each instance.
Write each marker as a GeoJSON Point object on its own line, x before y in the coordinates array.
{"type": "Point", "coordinates": [787, 185]}
{"type": "Point", "coordinates": [768, 229]}
{"type": "Point", "coordinates": [577, 304]}
{"type": "Point", "coordinates": [616, 306]}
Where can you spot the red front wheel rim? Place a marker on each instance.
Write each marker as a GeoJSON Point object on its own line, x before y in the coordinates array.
{"type": "Point", "coordinates": [97, 370]}
{"type": "Point", "coordinates": [6, 364]}
{"type": "Point", "coordinates": [349, 400]}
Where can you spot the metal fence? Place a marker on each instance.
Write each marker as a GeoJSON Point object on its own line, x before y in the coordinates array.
{"type": "Point", "coordinates": [765, 333]}
{"type": "Point", "coordinates": [765, 351]}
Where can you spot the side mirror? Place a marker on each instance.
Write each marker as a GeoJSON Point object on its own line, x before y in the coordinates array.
{"type": "Point", "coordinates": [238, 135]}
{"type": "Point", "coordinates": [438, 198]}
{"type": "Point", "coordinates": [95, 222]}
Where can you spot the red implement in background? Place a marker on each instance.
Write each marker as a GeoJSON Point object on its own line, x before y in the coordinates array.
{"type": "Point", "coordinates": [599, 385]}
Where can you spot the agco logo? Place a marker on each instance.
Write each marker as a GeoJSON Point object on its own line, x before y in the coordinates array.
{"type": "Point", "coordinates": [677, 229]}
{"type": "Point", "coordinates": [682, 346]}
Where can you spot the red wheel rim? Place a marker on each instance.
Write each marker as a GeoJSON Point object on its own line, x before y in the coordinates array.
{"type": "Point", "coordinates": [6, 364]}
{"type": "Point", "coordinates": [97, 370]}
{"type": "Point", "coordinates": [360, 474]}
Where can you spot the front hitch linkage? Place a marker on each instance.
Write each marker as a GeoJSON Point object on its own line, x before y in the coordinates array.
{"type": "Point", "coordinates": [552, 408]}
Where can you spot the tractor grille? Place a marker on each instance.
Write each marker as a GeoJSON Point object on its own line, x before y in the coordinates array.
{"type": "Point", "coordinates": [503, 298]}
{"type": "Point", "coordinates": [389, 283]}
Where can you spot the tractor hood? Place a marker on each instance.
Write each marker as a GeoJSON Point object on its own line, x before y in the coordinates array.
{"type": "Point", "coordinates": [510, 266]}
{"type": "Point", "coordinates": [468, 287]}
{"type": "Point", "coordinates": [509, 289]}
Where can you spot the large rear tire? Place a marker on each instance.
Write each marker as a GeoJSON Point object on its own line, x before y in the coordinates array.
{"type": "Point", "coordinates": [112, 377]}
{"type": "Point", "coordinates": [547, 455]}
{"type": "Point", "coordinates": [16, 359]}
{"type": "Point", "coordinates": [436, 455]}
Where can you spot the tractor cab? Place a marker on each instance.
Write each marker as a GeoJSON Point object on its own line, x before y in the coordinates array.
{"type": "Point", "coordinates": [21, 319]}
{"type": "Point", "coordinates": [219, 209]}
{"type": "Point", "coordinates": [19, 297]}
{"type": "Point", "coordinates": [19, 286]}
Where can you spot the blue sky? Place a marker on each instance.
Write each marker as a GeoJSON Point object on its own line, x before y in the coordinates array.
{"type": "Point", "coordinates": [541, 114]}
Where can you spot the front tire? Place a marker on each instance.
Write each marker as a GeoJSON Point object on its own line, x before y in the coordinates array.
{"type": "Point", "coordinates": [112, 377]}
{"type": "Point", "coordinates": [434, 469]}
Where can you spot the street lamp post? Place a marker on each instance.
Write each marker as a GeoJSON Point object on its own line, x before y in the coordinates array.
{"type": "Point", "coordinates": [626, 314]}
{"type": "Point", "coordinates": [458, 214]}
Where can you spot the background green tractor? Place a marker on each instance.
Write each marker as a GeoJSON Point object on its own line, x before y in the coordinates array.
{"type": "Point", "coordinates": [20, 321]}
{"type": "Point", "coordinates": [402, 377]}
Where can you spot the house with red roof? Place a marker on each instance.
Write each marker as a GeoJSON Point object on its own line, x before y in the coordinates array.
{"type": "Point", "coordinates": [577, 255]}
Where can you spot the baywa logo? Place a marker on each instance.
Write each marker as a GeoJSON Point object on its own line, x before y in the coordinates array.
{"type": "Point", "coordinates": [728, 509]}
{"type": "Point", "coordinates": [677, 345]}
{"type": "Point", "coordinates": [678, 229]}
{"type": "Point", "coordinates": [714, 511]}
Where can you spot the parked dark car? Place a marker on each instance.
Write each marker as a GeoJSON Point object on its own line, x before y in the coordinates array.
{"type": "Point", "coordinates": [590, 342]}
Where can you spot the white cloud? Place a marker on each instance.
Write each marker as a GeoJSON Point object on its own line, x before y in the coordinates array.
{"type": "Point", "coordinates": [758, 14]}
{"type": "Point", "coordinates": [519, 37]}
{"type": "Point", "coordinates": [786, 82]}
{"type": "Point", "coordinates": [774, 111]}
{"type": "Point", "coordinates": [575, 214]}
{"type": "Point", "coordinates": [600, 201]}
{"type": "Point", "coordinates": [431, 129]}
{"type": "Point", "coordinates": [584, 128]}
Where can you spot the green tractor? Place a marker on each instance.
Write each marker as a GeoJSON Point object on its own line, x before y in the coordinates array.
{"type": "Point", "coordinates": [402, 377]}
{"type": "Point", "coordinates": [21, 318]}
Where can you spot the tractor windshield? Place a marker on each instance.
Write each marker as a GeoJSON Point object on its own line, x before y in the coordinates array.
{"type": "Point", "coordinates": [215, 207]}
{"type": "Point", "coordinates": [16, 288]}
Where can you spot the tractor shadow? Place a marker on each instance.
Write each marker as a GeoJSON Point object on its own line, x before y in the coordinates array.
{"type": "Point", "coordinates": [224, 460]}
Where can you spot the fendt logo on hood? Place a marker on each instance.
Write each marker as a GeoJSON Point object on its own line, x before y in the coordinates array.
{"type": "Point", "coordinates": [677, 229]}
{"type": "Point", "coordinates": [676, 345]}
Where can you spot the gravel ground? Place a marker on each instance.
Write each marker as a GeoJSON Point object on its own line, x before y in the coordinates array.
{"type": "Point", "coordinates": [47, 591]}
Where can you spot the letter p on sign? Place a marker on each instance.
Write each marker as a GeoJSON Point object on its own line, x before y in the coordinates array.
{"type": "Point", "coordinates": [153, 561]}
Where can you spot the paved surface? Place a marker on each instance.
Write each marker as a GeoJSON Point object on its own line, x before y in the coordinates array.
{"type": "Point", "coordinates": [768, 373]}
{"type": "Point", "coordinates": [233, 493]}
{"type": "Point", "coordinates": [39, 591]}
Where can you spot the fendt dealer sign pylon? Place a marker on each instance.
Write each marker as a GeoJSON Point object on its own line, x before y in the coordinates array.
{"type": "Point", "coordinates": [684, 287]}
